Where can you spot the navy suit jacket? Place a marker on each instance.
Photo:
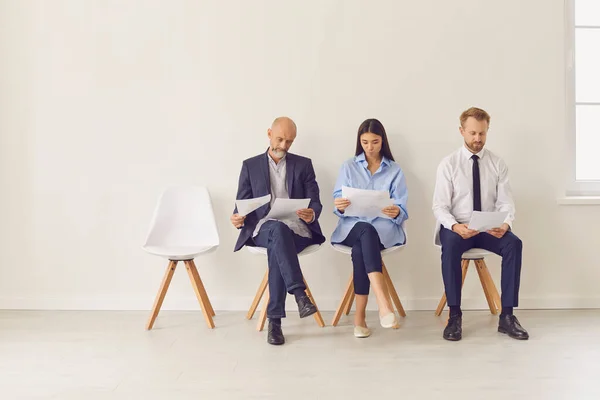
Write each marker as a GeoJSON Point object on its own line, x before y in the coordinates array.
{"type": "Point", "coordinates": [255, 182]}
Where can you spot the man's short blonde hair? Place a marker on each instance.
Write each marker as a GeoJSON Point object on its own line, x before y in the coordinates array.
{"type": "Point", "coordinates": [477, 113]}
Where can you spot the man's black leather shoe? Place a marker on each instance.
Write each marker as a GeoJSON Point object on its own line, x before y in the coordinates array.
{"type": "Point", "coordinates": [306, 307]}
{"type": "Point", "coordinates": [275, 335]}
{"type": "Point", "coordinates": [510, 325]}
{"type": "Point", "coordinates": [453, 330]}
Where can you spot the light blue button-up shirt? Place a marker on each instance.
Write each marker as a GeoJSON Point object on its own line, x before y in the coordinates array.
{"type": "Point", "coordinates": [389, 176]}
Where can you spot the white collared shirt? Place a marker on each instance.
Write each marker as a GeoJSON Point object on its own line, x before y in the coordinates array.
{"type": "Point", "coordinates": [453, 194]}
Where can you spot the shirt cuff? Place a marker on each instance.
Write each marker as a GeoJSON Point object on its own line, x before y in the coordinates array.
{"type": "Point", "coordinates": [448, 223]}
{"type": "Point", "coordinates": [401, 215]}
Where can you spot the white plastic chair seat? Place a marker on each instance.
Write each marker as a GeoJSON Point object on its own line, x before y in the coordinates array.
{"type": "Point", "coordinates": [183, 225]}
{"type": "Point", "coordinates": [476, 254]}
{"type": "Point", "coordinates": [179, 253]}
{"type": "Point", "coordinates": [348, 250]}
{"type": "Point", "coordinates": [263, 250]}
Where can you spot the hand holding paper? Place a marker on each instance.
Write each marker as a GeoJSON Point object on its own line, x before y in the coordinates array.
{"type": "Point", "coordinates": [499, 232]}
{"type": "Point", "coordinates": [391, 211]}
{"type": "Point", "coordinates": [341, 204]}
{"type": "Point", "coordinates": [464, 231]}
{"type": "Point", "coordinates": [306, 214]}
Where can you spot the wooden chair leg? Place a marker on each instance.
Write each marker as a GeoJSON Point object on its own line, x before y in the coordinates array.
{"type": "Point", "coordinates": [495, 296]}
{"type": "Point", "coordinates": [164, 286]}
{"type": "Point", "coordinates": [259, 294]}
{"type": "Point", "coordinates": [317, 315]}
{"type": "Point", "coordinates": [202, 288]}
{"type": "Point", "coordinates": [351, 301]}
{"type": "Point", "coordinates": [442, 303]}
{"type": "Point", "coordinates": [392, 291]}
{"type": "Point", "coordinates": [465, 267]}
{"type": "Point", "coordinates": [200, 293]}
{"type": "Point", "coordinates": [344, 302]}
{"type": "Point", "coordinates": [491, 287]}
{"type": "Point", "coordinates": [263, 313]}
{"type": "Point", "coordinates": [484, 285]}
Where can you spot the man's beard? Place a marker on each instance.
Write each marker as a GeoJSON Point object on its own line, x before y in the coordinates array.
{"type": "Point", "coordinates": [278, 152]}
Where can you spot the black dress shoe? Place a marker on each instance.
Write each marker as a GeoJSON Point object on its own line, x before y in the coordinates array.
{"type": "Point", "coordinates": [306, 307]}
{"type": "Point", "coordinates": [510, 325]}
{"type": "Point", "coordinates": [453, 330]}
{"type": "Point", "coordinates": [275, 335]}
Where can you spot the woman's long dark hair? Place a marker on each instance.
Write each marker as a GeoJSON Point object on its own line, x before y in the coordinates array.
{"type": "Point", "coordinates": [373, 125]}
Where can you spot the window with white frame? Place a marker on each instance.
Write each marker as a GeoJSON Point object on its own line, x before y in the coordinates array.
{"type": "Point", "coordinates": [584, 77]}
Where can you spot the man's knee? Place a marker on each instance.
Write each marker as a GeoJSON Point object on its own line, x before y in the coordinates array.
{"type": "Point", "coordinates": [452, 242]}
{"type": "Point", "coordinates": [279, 229]}
{"type": "Point", "coordinates": [513, 243]}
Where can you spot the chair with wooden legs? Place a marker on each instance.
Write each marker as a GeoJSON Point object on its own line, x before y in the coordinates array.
{"type": "Point", "coordinates": [348, 298]}
{"type": "Point", "coordinates": [264, 292]}
{"type": "Point", "coordinates": [487, 283]}
{"type": "Point", "coordinates": [183, 227]}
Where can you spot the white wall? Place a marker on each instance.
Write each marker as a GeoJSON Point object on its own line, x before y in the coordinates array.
{"type": "Point", "coordinates": [103, 104]}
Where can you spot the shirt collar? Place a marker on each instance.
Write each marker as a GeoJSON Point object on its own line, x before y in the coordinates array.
{"type": "Point", "coordinates": [273, 163]}
{"type": "Point", "coordinates": [362, 159]}
{"type": "Point", "coordinates": [467, 153]}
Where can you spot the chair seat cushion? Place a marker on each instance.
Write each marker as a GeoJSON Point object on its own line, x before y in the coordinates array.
{"type": "Point", "coordinates": [348, 250]}
{"type": "Point", "coordinates": [179, 252]}
{"type": "Point", "coordinates": [263, 251]}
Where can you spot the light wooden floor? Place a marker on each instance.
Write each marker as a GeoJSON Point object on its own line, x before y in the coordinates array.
{"type": "Point", "coordinates": [108, 355]}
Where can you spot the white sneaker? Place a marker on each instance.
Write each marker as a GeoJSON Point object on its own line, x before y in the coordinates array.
{"type": "Point", "coordinates": [388, 321]}
{"type": "Point", "coordinates": [361, 332]}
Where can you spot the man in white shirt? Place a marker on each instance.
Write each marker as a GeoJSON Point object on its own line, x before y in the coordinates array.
{"type": "Point", "coordinates": [474, 178]}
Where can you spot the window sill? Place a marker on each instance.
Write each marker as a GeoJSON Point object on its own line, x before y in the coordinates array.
{"type": "Point", "coordinates": [578, 200]}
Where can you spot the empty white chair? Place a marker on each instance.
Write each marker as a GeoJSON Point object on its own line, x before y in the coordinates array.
{"type": "Point", "coordinates": [183, 227]}
{"type": "Point", "coordinates": [265, 284]}
{"type": "Point", "coordinates": [348, 298]}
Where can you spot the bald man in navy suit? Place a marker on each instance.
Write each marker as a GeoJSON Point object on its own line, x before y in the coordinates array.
{"type": "Point", "coordinates": [282, 175]}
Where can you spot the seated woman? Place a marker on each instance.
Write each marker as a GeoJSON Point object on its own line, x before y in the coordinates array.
{"type": "Point", "coordinates": [372, 167]}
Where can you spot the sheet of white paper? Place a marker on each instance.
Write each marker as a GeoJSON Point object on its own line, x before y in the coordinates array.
{"type": "Point", "coordinates": [484, 221]}
{"type": "Point", "coordinates": [366, 203]}
{"type": "Point", "coordinates": [286, 208]}
{"type": "Point", "coordinates": [246, 206]}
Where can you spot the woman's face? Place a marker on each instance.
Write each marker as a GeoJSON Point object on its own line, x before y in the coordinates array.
{"type": "Point", "coordinates": [371, 144]}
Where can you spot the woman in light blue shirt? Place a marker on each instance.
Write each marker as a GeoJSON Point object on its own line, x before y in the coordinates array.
{"type": "Point", "coordinates": [372, 167]}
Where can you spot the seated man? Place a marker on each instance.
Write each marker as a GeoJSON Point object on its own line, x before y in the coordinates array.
{"type": "Point", "coordinates": [473, 178]}
{"type": "Point", "coordinates": [283, 175]}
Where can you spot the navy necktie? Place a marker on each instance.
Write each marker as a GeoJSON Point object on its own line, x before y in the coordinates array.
{"type": "Point", "coordinates": [476, 184]}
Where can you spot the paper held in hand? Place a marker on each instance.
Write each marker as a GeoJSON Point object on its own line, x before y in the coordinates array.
{"type": "Point", "coordinates": [484, 221]}
{"type": "Point", "coordinates": [366, 203]}
{"type": "Point", "coordinates": [283, 209]}
{"type": "Point", "coordinates": [246, 206]}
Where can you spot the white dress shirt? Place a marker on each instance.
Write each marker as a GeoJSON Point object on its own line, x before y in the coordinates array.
{"type": "Point", "coordinates": [453, 195]}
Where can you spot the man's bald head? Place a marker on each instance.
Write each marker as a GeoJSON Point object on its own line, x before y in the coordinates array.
{"type": "Point", "coordinates": [281, 135]}
{"type": "Point", "coordinates": [284, 123]}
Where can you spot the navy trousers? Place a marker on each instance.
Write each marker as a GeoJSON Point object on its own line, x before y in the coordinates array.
{"type": "Point", "coordinates": [366, 254]}
{"type": "Point", "coordinates": [509, 247]}
{"type": "Point", "coordinates": [285, 275]}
